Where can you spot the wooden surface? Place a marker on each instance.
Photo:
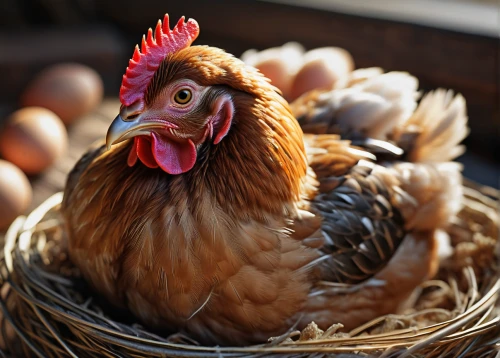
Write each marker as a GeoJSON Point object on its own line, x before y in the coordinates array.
{"type": "Point", "coordinates": [478, 17]}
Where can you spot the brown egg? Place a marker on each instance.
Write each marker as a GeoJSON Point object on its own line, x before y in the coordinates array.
{"type": "Point", "coordinates": [322, 68]}
{"type": "Point", "coordinates": [69, 90]}
{"type": "Point", "coordinates": [33, 138]}
{"type": "Point", "coordinates": [15, 193]}
{"type": "Point", "coordinates": [275, 69]}
{"type": "Point", "coordinates": [279, 64]}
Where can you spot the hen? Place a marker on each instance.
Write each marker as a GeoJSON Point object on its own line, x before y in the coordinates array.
{"type": "Point", "coordinates": [212, 213]}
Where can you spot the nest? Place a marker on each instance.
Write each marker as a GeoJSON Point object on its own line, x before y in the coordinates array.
{"type": "Point", "coordinates": [49, 312]}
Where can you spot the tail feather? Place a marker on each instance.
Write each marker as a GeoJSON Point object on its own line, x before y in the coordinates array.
{"type": "Point", "coordinates": [383, 106]}
{"type": "Point", "coordinates": [372, 105]}
{"type": "Point", "coordinates": [358, 76]}
{"type": "Point", "coordinates": [434, 132]}
{"type": "Point", "coordinates": [393, 86]}
{"type": "Point", "coordinates": [437, 192]}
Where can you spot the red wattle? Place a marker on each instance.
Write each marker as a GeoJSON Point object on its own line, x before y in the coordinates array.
{"type": "Point", "coordinates": [173, 157]}
{"type": "Point", "coordinates": [143, 148]}
{"type": "Point", "coordinates": [132, 156]}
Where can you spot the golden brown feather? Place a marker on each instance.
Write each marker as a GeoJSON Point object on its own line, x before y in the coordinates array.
{"type": "Point", "coordinates": [235, 249]}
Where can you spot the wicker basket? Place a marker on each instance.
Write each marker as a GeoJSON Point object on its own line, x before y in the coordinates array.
{"type": "Point", "coordinates": [51, 310]}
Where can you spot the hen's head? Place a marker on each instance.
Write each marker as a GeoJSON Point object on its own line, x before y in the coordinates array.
{"type": "Point", "coordinates": [176, 97]}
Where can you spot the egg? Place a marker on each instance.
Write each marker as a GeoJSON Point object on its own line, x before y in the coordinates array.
{"type": "Point", "coordinates": [33, 138]}
{"type": "Point", "coordinates": [279, 64]}
{"type": "Point", "coordinates": [322, 68]}
{"type": "Point", "coordinates": [70, 90]}
{"type": "Point", "coordinates": [275, 69]}
{"type": "Point", "coordinates": [15, 193]}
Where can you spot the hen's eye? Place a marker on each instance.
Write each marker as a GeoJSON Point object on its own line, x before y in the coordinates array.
{"type": "Point", "coordinates": [183, 96]}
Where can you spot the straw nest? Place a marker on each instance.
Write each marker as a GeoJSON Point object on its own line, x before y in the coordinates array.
{"type": "Point", "coordinates": [54, 315]}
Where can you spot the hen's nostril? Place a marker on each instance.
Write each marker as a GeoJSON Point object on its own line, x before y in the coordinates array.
{"type": "Point", "coordinates": [132, 117]}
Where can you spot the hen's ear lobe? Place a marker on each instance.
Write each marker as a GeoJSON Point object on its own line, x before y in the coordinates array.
{"type": "Point", "coordinates": [221, 121]}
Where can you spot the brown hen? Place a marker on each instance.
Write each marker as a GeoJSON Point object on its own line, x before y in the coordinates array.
{"type": "Point", "coordinates": [212, 213]}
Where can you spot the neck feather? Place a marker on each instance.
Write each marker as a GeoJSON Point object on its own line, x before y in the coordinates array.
{"type": "Point", "coordinates": [260, 165]}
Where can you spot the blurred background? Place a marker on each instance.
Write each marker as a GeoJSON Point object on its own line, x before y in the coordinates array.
{"type": "Point", "coordinates": [444, 43]}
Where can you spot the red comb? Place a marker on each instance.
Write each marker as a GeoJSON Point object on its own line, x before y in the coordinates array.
{"type": "Point", "coordinates": [144, 62]}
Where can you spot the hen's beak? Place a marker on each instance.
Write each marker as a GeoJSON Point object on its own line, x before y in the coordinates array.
{"type": "Point", "coordinates": [121, 129]}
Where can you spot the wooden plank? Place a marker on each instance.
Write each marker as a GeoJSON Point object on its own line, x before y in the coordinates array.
{"type": "Point", "coordinates": [469, 16]}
